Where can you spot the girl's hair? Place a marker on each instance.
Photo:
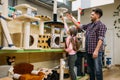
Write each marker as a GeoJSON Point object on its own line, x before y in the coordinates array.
{"type": "Point", "coordinates": [73, 32]}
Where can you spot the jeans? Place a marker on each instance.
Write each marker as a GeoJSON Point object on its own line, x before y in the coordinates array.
{"type": "Point", "coordinates": [95, 67]}
{"type": "Point", "coordinates": [71, 64]}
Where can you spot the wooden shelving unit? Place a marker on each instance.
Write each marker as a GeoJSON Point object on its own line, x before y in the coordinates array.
{"type": "Point", "coordinates": [32, 51]}
{"type": "Point", "coordinates": [27, 54]}
{"type": "Point", "coordinates": [26, 18]}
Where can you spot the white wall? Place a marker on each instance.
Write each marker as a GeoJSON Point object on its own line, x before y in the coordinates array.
{"type": "Point", "coordinates": [113, 42]}
{"type": "Point", "coordinates": [116, 39]}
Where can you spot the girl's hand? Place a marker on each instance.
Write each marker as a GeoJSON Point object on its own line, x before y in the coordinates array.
{"type": "Point", "coordinates": [80, 10]}
{"type": "Point", "coordinates": [69, 16]}
{"type": "Point", "coordinates": [63, 19]}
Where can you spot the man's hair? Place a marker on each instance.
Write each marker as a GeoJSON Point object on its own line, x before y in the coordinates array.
{"type": "Point", "coordinates": [98, 11]}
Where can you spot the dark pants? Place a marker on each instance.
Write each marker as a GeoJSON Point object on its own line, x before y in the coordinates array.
{"type": "Point", "coordinates": [95, 67]}
{"type": "Point", "coordinates": [79, 64]}
{"type": "Point", "coordinates": [71, 64]}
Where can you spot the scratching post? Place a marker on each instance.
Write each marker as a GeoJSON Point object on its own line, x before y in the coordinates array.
{"type": "Point", "coordinates": [55, 7]}
{"type": "Point", "coordinates": [26, 18]}
{"type": "Point", "coordinates": [62, 66]}
{"type": "Point", "coordinates": [4, 8]}
{"type": "Point", "coordinates": [26, 28]}
{"type": "Point", "coordinates": [4, 13]}
{"type": "Point", "coordinates": [61, 35]}
{"type": "Point", "coordinates": [61, 11]}
{"type": "Point", "coordinates": [54, 24]}
{"type": "Point", "coordinates": [83, 42]}
{"type": "Point", "coordinates": [41, 27]}
{"type": "Point", "coordinates": [26, 34]}
{"type": "Point", "coordinates": [4, 18]}
{"type": "Point", "coordinates": [53, 30]}
{"type": "Point", "coordinates": [6, 32]}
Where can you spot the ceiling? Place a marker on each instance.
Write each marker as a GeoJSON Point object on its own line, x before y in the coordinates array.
{"type": "Point", "coordinates": [49, 3]}
{"type": "Point", "coordinates": [59, 4]}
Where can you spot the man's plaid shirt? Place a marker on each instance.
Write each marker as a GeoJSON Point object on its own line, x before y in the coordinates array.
{"type": "Point", "coordinates": [94, 32]}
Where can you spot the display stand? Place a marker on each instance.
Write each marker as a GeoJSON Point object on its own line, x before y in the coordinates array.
{"type": "Point", "coordinates": [3, 19]}
{"type": "Point", "coordinates": [44, 39]}
{"type": "Point", "coordinates": [62, 66]}
{"type": "Point", "coordinates": [61, 11]}
{"type": "Point", "coordinates": [26, 18]}
{"type": "Point", "coordinates": [26, 25]}
{"type": "Point", "coordinates": [25, 8]}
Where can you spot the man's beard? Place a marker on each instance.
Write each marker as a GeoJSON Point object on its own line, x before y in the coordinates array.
{"type": "Point", "coordinates": [93, 20]}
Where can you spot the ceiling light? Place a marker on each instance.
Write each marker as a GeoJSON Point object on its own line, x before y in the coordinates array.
{"type": "Point", "coordinates": [60, 1]}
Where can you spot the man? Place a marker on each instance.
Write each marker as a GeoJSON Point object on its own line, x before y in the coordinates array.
{"type": "Point", "coordinates": [95, 34]}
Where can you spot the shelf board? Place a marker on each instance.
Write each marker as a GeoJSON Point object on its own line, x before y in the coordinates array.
{"type": "Point", "coordinates": [7, 18]}
{"type": "Point", "coordinates": [25, 6]}
{"type": "Point", "coordinates": [31, 51]}
{"type": "Point", "coordinates": [55, 24]}
{"type": "Point", "coordinates": [26, 18]}
{"type": "Point", "coordinates": [43, 18]}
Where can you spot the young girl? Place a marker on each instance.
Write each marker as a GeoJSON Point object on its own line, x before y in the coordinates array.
{"type": "Point", "coordinates": [71, 48]}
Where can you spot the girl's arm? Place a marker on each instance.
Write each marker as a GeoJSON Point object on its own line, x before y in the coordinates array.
{"type": "Point", "coordinates": [65, 24]}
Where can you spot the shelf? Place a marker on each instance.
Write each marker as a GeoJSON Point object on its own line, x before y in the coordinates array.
{"type": "Point", "coordinates": [7, 18]}
{"type": "Point", "coordinates": [43, 18]}
{"type": "Point", "coordinates": [25, 6]}
{"type": "Point", "coordinates": [55, 24]}
{"type": "Point", "coordinates": [26, 18]}
{"type": "Point", "coordinates": [31, 51]}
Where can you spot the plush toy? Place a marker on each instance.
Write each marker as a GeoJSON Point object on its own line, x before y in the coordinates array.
{"type": "Point", "coordinates": [29, 77]}
{"type": "Point", "coordinates": [46, 71]}
{"type": "Point", "coordinates": [6, 78]}
{"type": "Point", "coordinates": [10, 60]}
{"type": "Point", "coordinates": [23, 68]}
{"type": "Point", "coordinates": [23, 71]}
{"type": "Point", "coordinates": [38, 73]}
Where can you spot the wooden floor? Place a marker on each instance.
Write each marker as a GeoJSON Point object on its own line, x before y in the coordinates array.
{"type": "Point", "coordinates": [112, 74]}
{"type": "Point", "coordinates": [109, 74]}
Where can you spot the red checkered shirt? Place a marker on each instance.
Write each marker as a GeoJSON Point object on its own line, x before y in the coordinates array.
{"type": "Point", "coordinates": [94, 32]}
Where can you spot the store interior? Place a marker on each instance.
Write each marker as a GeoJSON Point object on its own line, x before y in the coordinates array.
{"type": "Point", "coordinates": [32, 40]}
